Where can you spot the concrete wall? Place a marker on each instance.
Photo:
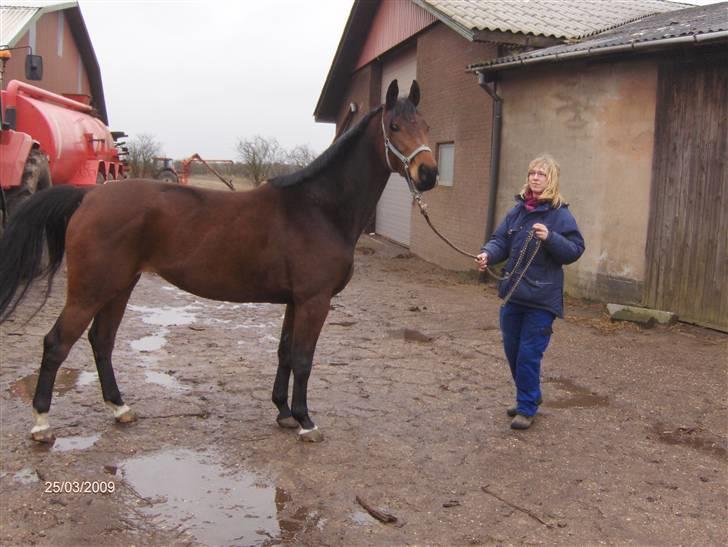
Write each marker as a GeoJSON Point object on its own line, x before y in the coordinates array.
{"type": "Point", "coordinates": [458, 111]}
{"type": "Point", "coordinates": [597, 120]}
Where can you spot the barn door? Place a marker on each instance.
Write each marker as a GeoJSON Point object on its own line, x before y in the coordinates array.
{"type": "Point", "coordinates": [394, 210]}
{"type": "Point", "coordinates": [687, 245]}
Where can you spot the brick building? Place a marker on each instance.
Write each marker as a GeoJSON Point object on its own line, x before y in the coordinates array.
{"type": "Point", "coordinates": [547, 109]}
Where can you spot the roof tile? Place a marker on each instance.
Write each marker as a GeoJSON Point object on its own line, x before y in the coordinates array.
{"type": "Point", "coordinates": [564, 19]}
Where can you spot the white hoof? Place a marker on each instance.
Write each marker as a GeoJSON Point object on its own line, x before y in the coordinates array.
{"type": "Point", "coordinates": [41, 431]}
{"type": "Point", "coordinates": [122, 414]}
{"type": "Point", "coordinates": [311, 435]}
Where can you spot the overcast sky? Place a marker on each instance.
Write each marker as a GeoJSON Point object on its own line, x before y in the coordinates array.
{"type": "Point", "coordinates": [199, 75]}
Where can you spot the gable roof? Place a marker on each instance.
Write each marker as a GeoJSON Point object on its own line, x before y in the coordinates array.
{"type": "Point", "coordinates": [561, 19]}
{"type": "Point", "coordinates": [695, 25]}
{"type": "Point", "coordinates": [16, 16]}
{"type": "Point", "coordinates": [532, 22]}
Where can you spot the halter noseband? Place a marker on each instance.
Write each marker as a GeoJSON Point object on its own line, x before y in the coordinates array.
{"type": "Point", "coordinates": [389, 147]}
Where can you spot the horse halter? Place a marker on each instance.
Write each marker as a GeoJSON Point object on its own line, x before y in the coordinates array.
{"type": "Point", "coordinates": [389, 147]}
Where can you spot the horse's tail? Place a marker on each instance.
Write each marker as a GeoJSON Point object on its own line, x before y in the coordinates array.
{"type": "Point", "coordinates": [40, 222]}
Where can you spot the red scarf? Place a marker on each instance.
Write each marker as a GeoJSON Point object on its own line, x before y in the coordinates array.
{"type": "Point", "coordinates": [531, 201]}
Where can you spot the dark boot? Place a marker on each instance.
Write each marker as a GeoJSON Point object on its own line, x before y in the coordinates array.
{"type": "Point", "coordinates": [522, 422]}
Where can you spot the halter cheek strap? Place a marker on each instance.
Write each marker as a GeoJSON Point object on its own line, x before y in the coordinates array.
{"type": "Point", "coordinates": [389, 147]}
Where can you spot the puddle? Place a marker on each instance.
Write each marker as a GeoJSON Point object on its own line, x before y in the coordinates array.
{"type": "Point", "coordinates": [216, 506]}
{"type": "Point", "coordinates": [86, 378]}
{"type": "Point", "coordinates": [164, 379]}
{"type": "Point", "coordinates": [692, 437]}
{"type": "Point", "coordinates": [579, 396]}
{"type": "Point", "coordinates": [167, 316]}
{"type": "Point", "coordinates": [66, 379]}
{"type": "Point", "coordinates": [26, 476]}
{"type": "Point", "coordinates": [66, 444]}
{"type": "Point", "coordinates": [150, 343]}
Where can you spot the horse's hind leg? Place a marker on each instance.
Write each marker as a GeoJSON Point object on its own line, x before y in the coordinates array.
{"type": "Point", "coordinates": [57, 343]}
{"type": "Point", "coordinates": [102, 336]}
{"type": "Point", "coordinates": [280, 387]}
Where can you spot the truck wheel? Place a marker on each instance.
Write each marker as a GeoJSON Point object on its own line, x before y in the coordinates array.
{"type": "Point", "coordinates": [36, 177]}
{"type": "Point", "coordinates": [167, 176]}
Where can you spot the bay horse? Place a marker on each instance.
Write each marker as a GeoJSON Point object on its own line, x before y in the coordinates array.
{"type": "Point", "coordinates": [290, 241]}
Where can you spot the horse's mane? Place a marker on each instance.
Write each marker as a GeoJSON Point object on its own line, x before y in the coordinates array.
{"type": "Point", "coordinates": [327, 156]}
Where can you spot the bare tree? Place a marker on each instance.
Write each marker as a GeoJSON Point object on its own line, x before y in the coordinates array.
{"type": "Point", "coordinates": [261, 156]}
{"type": "Point", "coordinates": [142, 150]}
{"type": "Point", "coordinates": [301, 156]}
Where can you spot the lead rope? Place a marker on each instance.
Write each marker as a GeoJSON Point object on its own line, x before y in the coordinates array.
{"type": "Point", "coordinates": [389, 147]}
{"type": "Point", "coordinates": [423, 209]}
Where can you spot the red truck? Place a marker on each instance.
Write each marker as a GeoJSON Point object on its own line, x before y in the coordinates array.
{"type": "Point", "coordinates": [49, 139]}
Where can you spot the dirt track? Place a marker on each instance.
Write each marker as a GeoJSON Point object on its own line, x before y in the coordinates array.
{"type": "Point", "coordinates": [410, 389]}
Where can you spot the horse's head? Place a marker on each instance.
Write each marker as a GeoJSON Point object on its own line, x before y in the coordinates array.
{"type": "Point", "coordinates": [405, 137]}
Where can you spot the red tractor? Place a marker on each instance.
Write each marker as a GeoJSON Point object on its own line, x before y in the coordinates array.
{"type": "Point", "coordinates": [48, 139]}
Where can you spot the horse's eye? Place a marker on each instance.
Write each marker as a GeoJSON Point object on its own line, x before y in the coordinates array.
{"type": "Point", "coordinates": [394, 127]}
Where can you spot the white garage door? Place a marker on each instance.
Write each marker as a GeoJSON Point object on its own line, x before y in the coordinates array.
{"type": "Point", "coordinates": [394, 209]}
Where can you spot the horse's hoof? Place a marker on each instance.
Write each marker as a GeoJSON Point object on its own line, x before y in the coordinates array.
{"type": "Point", "coordinates": [311, 435]}
{"type": "Point", "coordinates": [126, 418]}
{"type": "Point", "coordinates": [287, 423]}
{"type": "Point", "coordinates": [46, 436]}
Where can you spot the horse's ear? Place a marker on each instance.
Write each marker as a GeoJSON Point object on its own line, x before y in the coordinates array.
{"type": "Point", "coordinates": [414, 95]}
{"type": "Point", "coordinates": [392, 94]}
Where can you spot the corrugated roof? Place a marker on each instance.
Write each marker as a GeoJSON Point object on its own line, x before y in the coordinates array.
{"type": "Point", "coordinates": [700, 22]}
{"type": "Point", "coordinates": [561, 19]}
{"type": "Point", "coordinates": [17, 15]}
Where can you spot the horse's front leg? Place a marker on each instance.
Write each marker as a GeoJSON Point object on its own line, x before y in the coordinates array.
{"type": "Point", "coordinates": [280, 387]}
{"type": "Point", "coordinates": [307, 323]}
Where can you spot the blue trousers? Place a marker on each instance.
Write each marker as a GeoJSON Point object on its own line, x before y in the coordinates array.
{"type": "Point", "coordinates": [526, 334]}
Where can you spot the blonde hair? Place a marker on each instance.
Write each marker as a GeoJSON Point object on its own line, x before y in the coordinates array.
{"type": "Point", "coordinates": [551, 193]}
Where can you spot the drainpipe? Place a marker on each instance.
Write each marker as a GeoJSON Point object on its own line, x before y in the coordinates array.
{"type": "Point", "coordinates": [495, 147]}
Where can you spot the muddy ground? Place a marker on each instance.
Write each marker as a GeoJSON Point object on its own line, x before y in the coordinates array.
{"type": "Point", "coordinates": [410, 388]}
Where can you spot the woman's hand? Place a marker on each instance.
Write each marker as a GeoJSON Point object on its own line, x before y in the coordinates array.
{"type": "Point", "coordinates": [540, 231]}
{"type": "Point", "coordinates": [482, 260]}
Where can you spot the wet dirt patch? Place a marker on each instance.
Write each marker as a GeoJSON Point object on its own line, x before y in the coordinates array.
{"type": "Point", "coordinates": [66, 380]}
{"type": "Point", "coordinates": [692, 437]}
{"type": "Point", "coordinates": [579, 396]}
{"type": "Point", "coordinates": [192, 491]}
{"type": "Point", "coordinates": [411, 335]}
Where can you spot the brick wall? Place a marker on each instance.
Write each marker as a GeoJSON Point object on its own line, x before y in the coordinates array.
{"type": "Point", "coordinates": [458, 111]}
{"type": "Point", "coordinates": [363, 91]}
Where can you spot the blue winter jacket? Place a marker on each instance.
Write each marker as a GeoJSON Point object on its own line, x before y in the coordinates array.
{"type": "Point", "coordinates": [543, 285]}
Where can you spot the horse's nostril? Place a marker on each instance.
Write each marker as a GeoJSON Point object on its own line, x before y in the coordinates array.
{"type": "Point", "coordinates": [427, 175]}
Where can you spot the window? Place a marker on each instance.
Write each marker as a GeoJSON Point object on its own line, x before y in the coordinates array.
{"type": "Point", "coordinates": [446, 162]}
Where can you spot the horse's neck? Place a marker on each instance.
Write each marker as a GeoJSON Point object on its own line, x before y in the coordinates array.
{"type": "Point", "coordinates": [359, 177]}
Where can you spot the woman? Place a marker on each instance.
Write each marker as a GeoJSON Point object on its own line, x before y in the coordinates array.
{"type": "Point", "coordinates": [535, 297]}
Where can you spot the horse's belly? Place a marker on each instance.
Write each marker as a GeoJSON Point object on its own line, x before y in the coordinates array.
{"type": "Point", "coordinates": [222, 285]}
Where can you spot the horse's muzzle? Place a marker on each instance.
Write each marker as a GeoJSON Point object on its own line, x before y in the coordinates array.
{"type": "Point", "coordinates": [426, 177]}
